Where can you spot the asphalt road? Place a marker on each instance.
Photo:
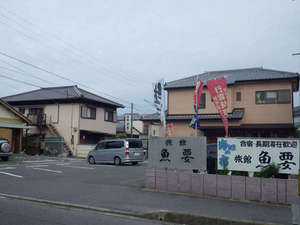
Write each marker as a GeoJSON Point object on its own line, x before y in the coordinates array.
{"type": "Point", "coordinates": [16, 212]}
{"type": "Point", "coordinates": [120, 188]}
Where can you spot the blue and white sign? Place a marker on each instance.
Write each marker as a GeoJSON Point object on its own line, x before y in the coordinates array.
{"type": "Point", "coordinates": [253, 154]}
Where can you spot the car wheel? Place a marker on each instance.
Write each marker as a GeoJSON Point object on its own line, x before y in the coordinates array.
{"type": "Point", "coordinates": [91, 160]}
{"type": "Point", "coordinates": [134, 163]}
{"type": "Point", "coordinates": [117, 161]}
{"type": "Point", "coordinates": [4, 158]}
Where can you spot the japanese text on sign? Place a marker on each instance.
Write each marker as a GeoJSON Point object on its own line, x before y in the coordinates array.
{"type": "Point", "coordinates": [248, 154]}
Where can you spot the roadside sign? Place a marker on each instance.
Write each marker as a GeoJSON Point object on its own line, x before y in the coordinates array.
{"type": "Point", "coordinates": [253, 154]}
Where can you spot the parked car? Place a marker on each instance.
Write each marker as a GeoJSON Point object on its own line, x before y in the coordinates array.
{"type": "Point", "coordinates": [117, 151]}
{"type": "Point", "coordinates": [5, 149]}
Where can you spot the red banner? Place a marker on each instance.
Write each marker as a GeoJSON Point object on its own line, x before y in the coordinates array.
{"type": "Point", "coordinates": [217, 89]}
{"type": "Point", "coordinates": [198, 92]}
{"type": "Point", "coordinates": [169, 127]}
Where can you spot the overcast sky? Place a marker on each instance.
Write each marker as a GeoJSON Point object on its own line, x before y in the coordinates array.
{"type": "Point", "coordinates": [120, 47]}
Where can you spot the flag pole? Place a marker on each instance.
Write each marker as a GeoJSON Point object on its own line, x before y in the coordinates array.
{"type": "Point", "coordinates": [196, 109]}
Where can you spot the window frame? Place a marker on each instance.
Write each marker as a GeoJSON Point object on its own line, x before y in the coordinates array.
{"type": "Point", "coordinates": [276, 99]}
{"type": "Point", "coordinates": [89, 108]}
{"type": "Point", "coordinates": [202, 104]}
{"type": "Point", "coordinates": [114, 115]}
{"type": "Point", "coordinates": [21, 110]}
{"type": "Point", "coordinates": [238, 96]}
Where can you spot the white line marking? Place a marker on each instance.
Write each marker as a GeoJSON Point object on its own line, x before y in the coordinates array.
{"type": "Point", "coordinates": [81, 167]}
{"type": "Point", "coordinates": [8, 168]}
{"type": "Point", "coordinates": [36, 166]}
{"type": "Point", "coordinates": [62, 164]}
{"type": "Point", "coordinates": [106, 166]}
{"type": "Point", "coordinates": [40, 161]}
{"type": "Point", "coordinates": [10, 174]}
{"type": "Point", "coordinates": [54, 171]}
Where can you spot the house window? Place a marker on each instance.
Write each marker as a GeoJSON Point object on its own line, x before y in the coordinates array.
{"type": "Point", "coordinates": [110, 115]}
{"type": "Point", "coordinates": [36, 111]}
{"type": "Point", "coordinates": [88, 112]}
{"type": "Point", "coordinates": [22, 110]}
{"type": "Point", "coordinates": [202, 101]}
{"type": "Point", "coordinates": [273, 97]}
{"type": "Point", "coordinates": [238, 96]}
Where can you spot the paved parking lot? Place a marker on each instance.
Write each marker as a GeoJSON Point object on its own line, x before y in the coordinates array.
{"type": "Point", "coordinates": [80, 170]}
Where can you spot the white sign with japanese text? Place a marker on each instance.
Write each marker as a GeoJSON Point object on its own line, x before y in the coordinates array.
{"type": "Point", "coordinates": [128, 123]}
{"type": "Point", "coordinates": [184, 153]}
{"type": "Point", "coordinates": [253, 154]}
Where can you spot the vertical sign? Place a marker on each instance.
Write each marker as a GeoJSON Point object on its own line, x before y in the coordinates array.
{"type": "Point", "coordinates": [217, 89]}
{"type": "Point", "coordinates": [159, 102]}
{"type": "Point", "coordinates": [170, 131]}
{"type": "Point", "coordinates": [127, 123]}
{"type": "Point", "coordinates": [197, 96]}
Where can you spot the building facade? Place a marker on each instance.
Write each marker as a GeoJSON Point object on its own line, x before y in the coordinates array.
{"type": "Point", "coordinates": [260, 104]}
{"type": "Point", "coordinates": [79, 117]}
{"type": "Point", "coordinates": [12, 124]}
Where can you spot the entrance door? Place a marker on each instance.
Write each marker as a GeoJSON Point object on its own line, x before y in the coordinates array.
{"type": "Point", "coordinates": [16, 140]}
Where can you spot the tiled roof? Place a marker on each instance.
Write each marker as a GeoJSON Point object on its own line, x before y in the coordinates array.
{"type": "Point", "coordinates": [233, 76]}
{"type": "Point", "coordinates": [150, 117]}
{"type": "Point", "coordinates": [59, 93]}
{"type": "Point", "coordinates": [237, 114]}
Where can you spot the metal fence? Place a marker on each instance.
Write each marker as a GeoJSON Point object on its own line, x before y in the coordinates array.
{"type": "Point", "coordinates": [53, 145]}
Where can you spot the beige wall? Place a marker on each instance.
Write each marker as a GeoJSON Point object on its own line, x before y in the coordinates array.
{"type": "Point", "coordinates": [181, 102]}
{"type": "Point", "coordinates": [8, 115]}
{"type": "Point", "coordinates": [52, 112]}
{"type": "Point", "coordinates": [65, 118]}
{"type": "Point", "coordinates": [98, 125]}
{"type": "Point", "coordinates": [181, 128]}
{"type": "Point", "coordinates": [83, 150]}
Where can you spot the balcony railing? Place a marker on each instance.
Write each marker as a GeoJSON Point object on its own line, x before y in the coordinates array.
{"type": "Point", "coordinates": [37, 119]}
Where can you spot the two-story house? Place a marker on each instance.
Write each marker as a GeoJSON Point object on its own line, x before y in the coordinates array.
{"type": "Point", "coordinates": [80, 117]}
{"type": "Point", "coordinates": [260, 104]}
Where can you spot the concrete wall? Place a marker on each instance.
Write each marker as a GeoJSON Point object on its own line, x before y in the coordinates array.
{"type": "Point", "coordinates": [98, 125]}
{"type": "Point", "coordinates": [181, 102]}
{"type": "Point", "coordinates": [233, 187]}
{"type": "Point", "coordinates": [83, 150]}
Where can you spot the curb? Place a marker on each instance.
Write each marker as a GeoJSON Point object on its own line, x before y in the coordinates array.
{"type": "Point", "coordinates": [283, 205]}
{"type": "Point", "coordinates": [71, 205]}
{"type": "Point", "coordinates": [159, 215]}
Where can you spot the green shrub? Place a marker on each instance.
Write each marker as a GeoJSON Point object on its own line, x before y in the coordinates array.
{"type": "Point", "coordinates": [224, 171]}
{"type": "Point", "coordinates": [240, 173]}
{"type": "Point", "coordinates": [268, 171]}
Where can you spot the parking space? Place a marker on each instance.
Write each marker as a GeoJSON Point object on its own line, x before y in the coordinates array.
{"type": "Point", "coordinates": [77, 171]}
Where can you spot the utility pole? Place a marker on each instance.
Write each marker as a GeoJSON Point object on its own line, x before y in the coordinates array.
{"type": "Point", "coordinates": [296, 54]}
{"type": "Point", "coordinates": [131, 120]}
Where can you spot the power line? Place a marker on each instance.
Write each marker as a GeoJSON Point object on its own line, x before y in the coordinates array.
{"type": "Point", "coordinates": [22, 72]}
{"type": "Point", "coordinates": [51, 73]}
{"type": "Point", "coordinates": [37, 86]}
{"type": "Point", "coordinates": [73, 48]}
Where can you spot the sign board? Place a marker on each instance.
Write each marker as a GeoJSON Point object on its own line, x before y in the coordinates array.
{"type": "Point", "coordinates": [177, 152]}
{"type": "Point", "coordinates": [253, 154]}
{"type": "Point", "coordinates": [127, 123]}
